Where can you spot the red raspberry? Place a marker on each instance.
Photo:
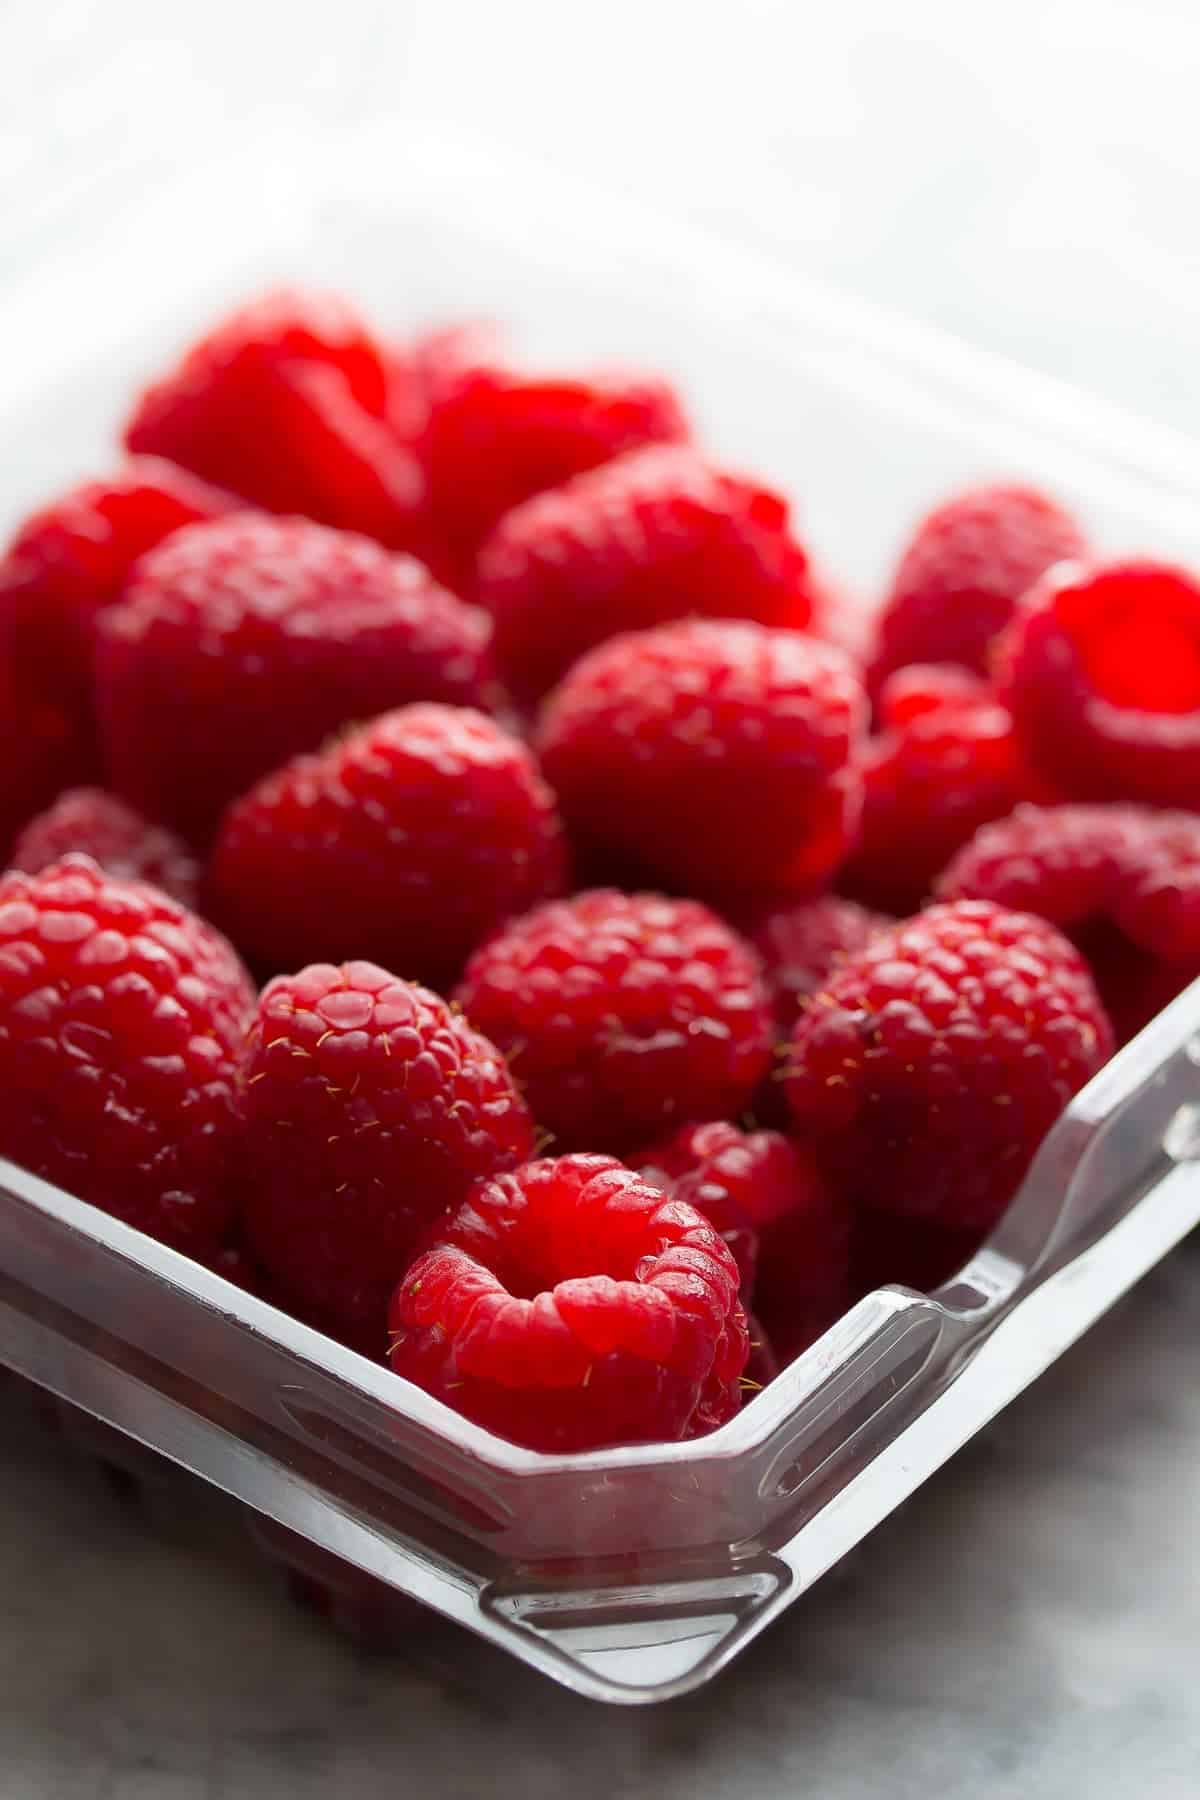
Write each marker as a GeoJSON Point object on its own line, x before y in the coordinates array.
{"type": "Point", "coordinates": [67, 563]}
{"type": "Point", "coordinates": [369, 1107]}
{"type": "Point", "coordinates": [1102, 671]}
{"type": "Point", "coordinates": [963, 573]}
{"type": "Point", "coordinates": [623, 1013]}
{"type": "Point", "coordinates": [717, 755]}
{"type": "Point", "coordinates": [933, 1063]}
{"type": "Point", "coordinates": [678, 1166]}
{"type": "Point", "coordinates": [946, 763]}
{"type": "Point", "coordinates": [766, 1197]}
{"type": "Point", "coordinates": [657, 535]}
{"type": "Point", "coordinates": [287, 401]}
{"type": "Point", "coordinates": [121, 1018]}
{"type": "Point", "coordinates": [497, 435]}
{"type": "Point", "coordinates": [572, 1306]}
{"type": "Point", "coordinates": [407, 841]}
{"type": "Point", "coordinates": [119, 840]}
{"type": "Point", "coordinates": [1121, 881]}
{"type": "Point", "coordinates": [326, 623]}
{"type": "Point", "coordinates": [800, 947]}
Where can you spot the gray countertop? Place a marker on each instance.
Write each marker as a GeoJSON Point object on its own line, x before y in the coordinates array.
{"type": "Point", "coordinates": [1028, 1623]}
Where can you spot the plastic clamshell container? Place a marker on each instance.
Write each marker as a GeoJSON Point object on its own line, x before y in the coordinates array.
{"type": "Point", "coordinates": [631, 1574]}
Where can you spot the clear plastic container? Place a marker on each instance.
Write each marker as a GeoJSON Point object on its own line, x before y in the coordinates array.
{"type": "Point", "coordinates": [631, 1574]}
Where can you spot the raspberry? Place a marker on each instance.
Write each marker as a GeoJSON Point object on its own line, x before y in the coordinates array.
{"type": "Point", "coordinates": [495, 436]}
{"type": "Point", "coordinates": [287, 401]}
{"type": "Point", "coordinates": [117, 839]}
{"type": "Point", "coordinates": [1122, 882]}
{"type": "Point", "coordinates": [675, 1165]}
{"type": "Point", "coordinates": [1102, 671]}
{"type": "Point", "coordinates": [623, 1014]}
{"type": "Point", "coordinates": [243, 642]}
{"type": "Point", "coordinates": [571, 1306]}
{"type": "Point", "coordinates": [67, 563]}
{"type": "Point", "coordinates": [659, 534]}
{"type": "Point", "coordinates": [932, 1064]}
{"type": "Point", "coordinates": [767, 1199]}
{"type": "Point", "coordinates": [800, 947]}
{"type": "Point", "coordinates": [716, 755]}
{"type": "Point", "coordinates": [407, 842]}
{"type": "Point", "coordinates": [962, 575]}
{"type": "Point", "coordinates": [121, 1018]}
{"type": "Point", "coordinates": [369, 1106]}
{"type": "Point", "coordinates": [946, 763]}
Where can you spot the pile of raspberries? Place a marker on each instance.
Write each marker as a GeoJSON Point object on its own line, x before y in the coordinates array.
{"type": "Point", "coordinates": [461, 886]}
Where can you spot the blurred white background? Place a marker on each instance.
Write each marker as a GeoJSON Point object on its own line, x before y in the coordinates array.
{"type": "Point", "coordinates": [1025, 175]}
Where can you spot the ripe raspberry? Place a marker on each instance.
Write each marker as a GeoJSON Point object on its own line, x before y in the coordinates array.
{"type": "Point", "coordinates": [572, 1306]}
{"type": "Point", "coordinates": [800, 947]}
{"type": "Point", "coordinates": [931, 1066]}
{"type": "Point", "coordinates": [766, 1197]}
{"type": "Point", "coordinates": [407, 841]}
{"type": "Point", "coordinates": [369, 1106]}
{"type": "Point", "coordinates": [946, 763]}
{"type": "Point", "coordinates": [1102, 671]}
{"type": "Point", "coordinates": [496, 435]}
{"type": "Point", "coordinates": [962, 575]}
{"type": "Point", "coordinates": [674, 1165]}
{"type": "Point", "coordinates": [287, 402]}
{"type": "Point", "coordinates": [717, 755]}
{"type": "Point", "coordinates": [117, 839]}
{"type": "Point", "coordinates": [243, 642]}
{"type": "Point", "coordinates": [659, 534]}
{"type": "Point", "coordinates": [67, 563]}
{"type": "Point", "coordinates": [121, 1017]}
{"type": "Point", "coordinates": [1122, 882]}
{"type": "Point", "coordinates": [623, 1014]}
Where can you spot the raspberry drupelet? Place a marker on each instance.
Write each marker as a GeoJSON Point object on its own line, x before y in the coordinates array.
{"type": "Point", "coordinates": [121, 1021]}
{"type": "Point", "coordinates": [962, 575]}
{"type": "Point", "coordinates": [1123, 882]}
{"type": "Point", "coordinates": [623, 1014]}
{"type": "Point", "coordinates": [117, 839]}
{"type": "Point", "coordinates": [571, 1306]}
{"type": "Point", "coordinates": [658, 535]}
{"type": "Point", "coordinates": [1101, 669]}
{"type": "Point", "coordinates": [369, 1106]}
{"type": "Point", "coordinates": [716, 756]}
{"type": "Point", "coordinates": [249, 640]}
{"type": "Point", "coordinates": [947, 761]}
{"type": "Point", "coordinates": [929, 1068]}
{"type": "Point", "coordinates": [287, 401]}
{"type": "Point", "coordinates": [406, 841]}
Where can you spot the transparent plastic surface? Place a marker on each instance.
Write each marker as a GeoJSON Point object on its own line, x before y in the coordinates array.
{"type": "Point", "coordinates": [630, 1574]}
